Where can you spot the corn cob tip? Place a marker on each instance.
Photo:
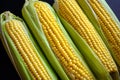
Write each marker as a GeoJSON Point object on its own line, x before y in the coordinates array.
{"type": "Point", "coordinates": [5, 15]}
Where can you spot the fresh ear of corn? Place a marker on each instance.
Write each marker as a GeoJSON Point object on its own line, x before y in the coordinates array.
{"type": "Point", "coordinates": [31, 18]}
{"type": "Point", "coordinates": [107, 23]}
{"type": "Point", "coordinates": [55, 42]}
{"type": "Point", "coordinates": [22, 50]}
{"type": "Point", "coordinates": [71, 12]}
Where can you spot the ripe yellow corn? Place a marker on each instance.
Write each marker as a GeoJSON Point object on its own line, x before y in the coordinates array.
{"type": "Point", "coordinates": [109, 27]}
{"type": "Point", "coordinates": [74, 68]}
{"type": "Point", "coordinates": [25, 47]}
{"type": "Point", "coordinates": [26, 50]}
{"type": "Point", "coordinates": [72, 13]}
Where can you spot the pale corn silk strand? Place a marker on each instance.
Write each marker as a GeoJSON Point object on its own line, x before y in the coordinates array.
{"type": "Point", "coordinates": [108, 25]}
{"type": "Point", "coordinates": [59, 44]}
{"type": "Point", "coordinates": [26, 50]}
{"type": "Point", "coordinates": [72, 13]}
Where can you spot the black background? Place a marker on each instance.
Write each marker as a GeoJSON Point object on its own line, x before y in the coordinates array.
{"type": "Point", "coordinates": [7, 71]}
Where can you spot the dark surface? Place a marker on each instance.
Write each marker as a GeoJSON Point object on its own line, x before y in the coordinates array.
{"type": "Point", "coordinates": [7, 71]}
{"type": "Point", "coordinates": [115, 5]}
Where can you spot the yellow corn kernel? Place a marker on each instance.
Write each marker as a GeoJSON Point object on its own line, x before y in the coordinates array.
{"type": "Point", "coordinates": [59, 44]}
{"type": "Point", "coordinates": [26, 50]}
{"type": "Point", "coordinates": [109, 27]}
{"type": "Point", "coordinates": [73, 14]}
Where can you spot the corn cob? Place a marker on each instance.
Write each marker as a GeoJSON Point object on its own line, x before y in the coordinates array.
{"type": "Point", "coordinates": [108, 25]}
{"type": "Point", "coordinates": [55, 36]}
{"type": "Point", "coordinates": [95, 21]}
{"type": "Point", "coordinates": [23, 51]}
{"type": "Point", "coordinates": [70, 11]}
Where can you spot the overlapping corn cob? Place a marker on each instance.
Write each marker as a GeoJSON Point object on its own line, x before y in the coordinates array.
{"type": "Point", "coordinates": [105, 11]}
{"type": "Point", "coordinates": [71, 12]}
{"type": "Point", "coordinates": [23, 51]}
{"type": "Point", "coordinates": [109, 25]}
{"type": "Point", "coordinates": [46, 24]}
